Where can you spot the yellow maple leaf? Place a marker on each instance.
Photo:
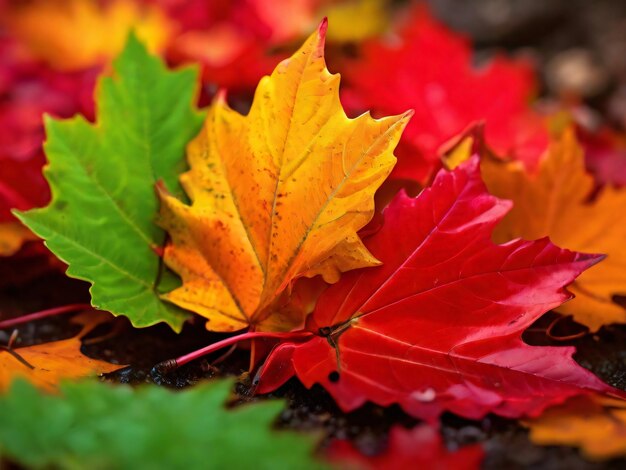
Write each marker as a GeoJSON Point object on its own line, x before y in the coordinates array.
{"type": "Point", "coordinates": [75, 34]}
{"type": "Point", "coordinates": [559, 202]}
{"type": "Point", "coordinates": [45, 365]}
{"type": "Point", "coordinates": [595, 424]}
{"type": "Point", "coordinates": [276, 195]}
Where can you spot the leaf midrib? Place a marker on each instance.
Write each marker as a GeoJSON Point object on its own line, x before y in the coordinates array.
{"type": "Point", "coordinates": [334, 192]}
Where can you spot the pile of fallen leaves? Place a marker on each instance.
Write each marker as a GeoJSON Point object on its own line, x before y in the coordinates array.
{"type": "Point", "coordinates": [394, 258]}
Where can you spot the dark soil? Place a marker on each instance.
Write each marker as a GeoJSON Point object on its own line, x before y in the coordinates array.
{"type": "Point", "coordinates": [505, 441]}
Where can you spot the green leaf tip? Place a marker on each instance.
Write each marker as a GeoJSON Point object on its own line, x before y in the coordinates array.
{"type": "Point", "coordinates": [96, 425]}
{"type": "Point", "coordinates": [101, 217]}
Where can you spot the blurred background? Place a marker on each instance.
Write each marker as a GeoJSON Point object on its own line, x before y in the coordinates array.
{"type": "Point", "coordinates": [579, 46]}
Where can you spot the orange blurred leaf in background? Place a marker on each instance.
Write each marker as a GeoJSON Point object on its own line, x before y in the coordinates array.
{"type": "Point", "coordinates": [55, 361]}
{"type": "Point", "coordinates": [76, 34]}
{"type": "Point", "coordinates": [559, 202]}
{"type": "Point", "coordinates": [595, 424]}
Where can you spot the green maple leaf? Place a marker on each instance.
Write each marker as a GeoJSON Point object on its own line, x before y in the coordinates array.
{"type": "Point", "coordinates": [94, 425]}
{"type": "Point", "coordinates": [102, 176]}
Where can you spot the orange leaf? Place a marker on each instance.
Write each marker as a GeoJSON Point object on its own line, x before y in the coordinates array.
{"type": "Point", "coordinates": [55, 361]}
{"type": "Point", "coordinates": [276, 195]}
{"type": "Point", "coordinates": [596, 425]}
{"type": "Point", "coordinates": [12, 237]}
{"type": "Point", "coordinates": [559, 202]}
{"type": "Point", "coordinates": [75, 34]}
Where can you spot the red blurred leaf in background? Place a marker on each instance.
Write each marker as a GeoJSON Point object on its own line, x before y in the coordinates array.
{"type": "Point", "coordinates": [420, 447]}
{"type": "Point", "coordinates": [234, 40]}
{"type": "Point", "coordinates": [605, 154]}
{"type": "Point", "coordinates": [430, 69]}
{"type": "Point", "coordinates": [28, 89]}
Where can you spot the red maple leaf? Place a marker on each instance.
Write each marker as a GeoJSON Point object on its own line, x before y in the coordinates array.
{"type": "Point", "coordinates": [418, 447]}
{"type": "Point", "coordinates": [429, 68]}
{"type": "Point", "coordinates": [438, 326]}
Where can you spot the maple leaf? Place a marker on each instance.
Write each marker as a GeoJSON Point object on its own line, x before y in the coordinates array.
{"type": "Point", "coordinates": [408, 448]}
{"type": "Point", "coordinates": [100, 220]}
{"type": "Point", "coordinates": [438, 326]}
{"type": "Point", "coordinates": [595, 424]}
{"type": "Point", "coordinates": [560, 202]}
{"type": "Point", "coordinates": [433, 73]}
{"type": "Point", "coordinates": [75, 34]}
{"type": "Point", "coordinates": [45, 365]}
{"type": "Point", "coordinates": [95, 425]}
{"type": "Point", "coordinates": [276, 195]}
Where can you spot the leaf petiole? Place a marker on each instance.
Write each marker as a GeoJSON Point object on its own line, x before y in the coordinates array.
{"type": "Point", "coordinates": [44, 314]}
{"type": "Point", "coordinates": [171, 364]}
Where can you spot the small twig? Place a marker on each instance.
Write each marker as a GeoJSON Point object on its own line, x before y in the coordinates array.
{"type": "Point", "coordinates": [9, 348]}
{"type": "Point", "coordinates": [117, 328]}
{"type": "Point", "coordinates": [43, 314]}
{"type": "Point", "coordinates": [562, 338]}
{"type": "Point", "coordinates": [17, 356]}
{"type": "Point", "coordinates": [224, 356]}
{"type": "Point", "coordinates": [12, 339]}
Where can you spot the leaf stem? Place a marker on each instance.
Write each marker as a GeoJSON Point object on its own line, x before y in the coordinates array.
{"type": "Point", "coordinates": [171, 364]}
{"type": "Point", "coordinates": [43, 314]}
